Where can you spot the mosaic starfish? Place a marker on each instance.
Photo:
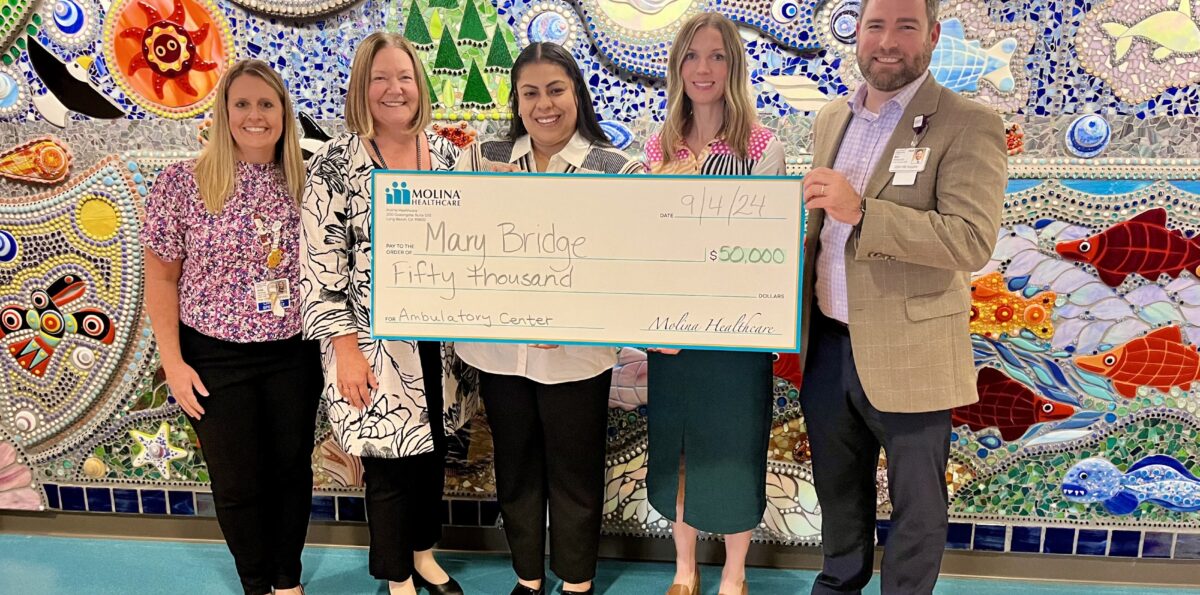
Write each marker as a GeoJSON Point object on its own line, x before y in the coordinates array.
{"type": "Point", "coordinates": [168, 49]}
{"type": "Point", "coordinates": [156, 450]}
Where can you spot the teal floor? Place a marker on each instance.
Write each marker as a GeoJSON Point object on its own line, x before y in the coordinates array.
{"type": "Point", "coordinates": [50, 565]}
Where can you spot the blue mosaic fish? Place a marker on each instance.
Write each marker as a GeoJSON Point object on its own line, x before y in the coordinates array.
{"type": "Point", "coordinates": [1159, 479]}
{"type": "Point", "coordinates": [960, 64]}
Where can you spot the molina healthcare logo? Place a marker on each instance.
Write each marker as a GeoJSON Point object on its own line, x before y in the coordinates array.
{"type": "Point", "coordinates": [399, 193]}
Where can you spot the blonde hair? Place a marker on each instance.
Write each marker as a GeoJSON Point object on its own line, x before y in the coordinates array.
{"type": "Point", "coordinates": [740, 115]}
{"type": "Point", "coordinates": [358, 109]}
{"type": "Point", "coordinates": [217, 165]}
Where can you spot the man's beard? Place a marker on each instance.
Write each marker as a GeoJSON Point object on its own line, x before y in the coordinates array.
{"type": "Point", "coordinates": [893, 81]}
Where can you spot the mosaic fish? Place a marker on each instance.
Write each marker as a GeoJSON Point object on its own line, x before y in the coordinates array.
{"type": "Point", "coordinates": [1158, 479]}
{"type": "Point", "coordinates": [787, 367]}
{"type": "Point", "coordinates": [959, 63]}
{"type": "Point", "coordinates": [50, 324]}
{"type": "Point", "coordinates": [1008, 406]}
{"type": "Point", "coordinates": [996, 310]}
{"type": "Point", "coordinates": [1141, 245]}
{"type": "Point", "coordinates": [1173, 31]}
{"type": "Point", "coordinates": [1160, 359]}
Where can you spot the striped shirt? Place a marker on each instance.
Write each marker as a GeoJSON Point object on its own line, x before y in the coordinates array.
{"type": "Point", "coordinates": [764, 157]}
{"type": "Point", "coordinates": [565, 363]}
{"type": "Point", "coordinates": [862, 146]}
{"type": "Point", "coordinates": [578, 156]}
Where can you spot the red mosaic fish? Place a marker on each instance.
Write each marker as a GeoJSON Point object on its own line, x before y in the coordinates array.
{"type": "Point", "coordinates": [1007, 405]}
{"type": "Point", "coordinates": [787, 367]}
{"type": "Point", "coordinates": [1160, 360]}
{"type": "Point", "coordinates": [1141, 245]}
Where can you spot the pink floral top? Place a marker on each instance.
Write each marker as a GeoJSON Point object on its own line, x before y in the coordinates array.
{"type": "Point", "coordinates": [224, 255]}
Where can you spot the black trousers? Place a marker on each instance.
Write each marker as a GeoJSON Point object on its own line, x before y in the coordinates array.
{"type": "Point", "coordinates": [256, 436]}
{"type": "Point", "coordinates": [549, 442]}
{"type": "Point", "coordinates": [404, 495]}
{"type": "Point", "coordinates": [845, 433]}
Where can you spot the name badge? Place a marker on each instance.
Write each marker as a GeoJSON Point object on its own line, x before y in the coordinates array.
{"type": "Point", "coordinates": [907, 163]}
{"type": "Point", "coordinates": [274, 296]}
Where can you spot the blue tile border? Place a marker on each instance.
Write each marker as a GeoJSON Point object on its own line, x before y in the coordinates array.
{"type": "Point", "coordinates": [351, 509]}
{"type": "Point", "coordinates": [182, 503]}
{"type": "Point", "coordinates": [324, 508]}
{"type": "Point", "coordinates": [1026, 540]}
{"type": "Point", "coordinates": [958, 536]}
{"type": "Point", "coordinates": [99, 499]}
{"type": "Point", "coordinates": [72, 498]}
{"type": "Point", "coordinates": [882, 529]}
{"type": "Point", "coordinates": [1157, 545]}
{"type": "Point", "coordinates": [1187, 546]}
{"type": "Point", "coordinates": [990, 538]}
{"type": "Point", "coordinates": [983, 536]}
{"type": "Point", "coordinates": [51, 495]}
{"type": "Point", "coordinates": [205, 505]}
{"type": "Point", "coordinates": [1059, 540]}
{"type": "Point", "coordinates": [154, 502]}
{"type": "Point", "coordinates": [1124, 544]}
{"type": "Point", "coordinates": [1092, 542]}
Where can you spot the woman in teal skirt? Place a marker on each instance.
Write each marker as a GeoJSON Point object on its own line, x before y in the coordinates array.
{"type": "Point", "coordinates": [710, 411]}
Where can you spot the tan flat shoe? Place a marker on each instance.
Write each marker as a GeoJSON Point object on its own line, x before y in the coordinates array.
{"type": "Point", "coordinates": [679, 589]}
{"type": "Point", "coordinates": [745, 589]}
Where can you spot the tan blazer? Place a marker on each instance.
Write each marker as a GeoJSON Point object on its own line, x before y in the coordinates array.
{"type": "Point", "coordinates": [909, 262]}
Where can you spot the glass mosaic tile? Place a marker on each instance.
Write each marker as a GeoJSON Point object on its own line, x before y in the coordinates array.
{"type": "Point", "coordinates": [1187, 546]}
{"type": "Point", "coordinates": [1092, 542]}
{"type": "Point", "coordinates": [324, 508]}
{"type": "Point", "coordinates": [154, 502]}
{"type": "Point", "coordinates": [958, 536]}
{"type": "Point", "coordinates": [99, 499]}
{"type": "Point", "coordinates": [990, 537]}
{"type": "Point", "coordinates": [182, 503]}
{"type": "Point", "coordinates": [1059, 541]}
{"type": "Point", "coordinates": [1026, 539]}
{"type": "Point", "coordinates": [1157, 545]}
{"type": "Point", "coordinates": [72, 498]}
{"type": "Point", "coordinates": [1125, 544]}
{"type": "Point", "coordinates": [351, 509]}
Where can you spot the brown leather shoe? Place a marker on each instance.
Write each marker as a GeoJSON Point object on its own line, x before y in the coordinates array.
{"type": "Point", "coordinates": [680, 589]}
{"type": "Point", "coordinates": [745, 589]}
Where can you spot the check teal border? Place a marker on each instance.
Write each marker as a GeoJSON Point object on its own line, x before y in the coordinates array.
{"type": "Point", "coordinates": [423, 173]}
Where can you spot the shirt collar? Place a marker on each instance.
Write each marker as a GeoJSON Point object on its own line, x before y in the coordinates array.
{"type": "Point", "coordinates": [899, 100]}
{"type": "Point", "coordinates": [574, 153]}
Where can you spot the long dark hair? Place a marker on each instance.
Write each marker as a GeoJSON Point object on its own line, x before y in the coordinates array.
{"type": "Point", "coordinates": [586, 122]}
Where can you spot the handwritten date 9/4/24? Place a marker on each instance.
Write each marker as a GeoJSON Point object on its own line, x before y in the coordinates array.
{"type": "Point", "coordinates": [709, 206]}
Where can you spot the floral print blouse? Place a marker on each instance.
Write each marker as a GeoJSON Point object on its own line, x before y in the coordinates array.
{"type": "Point", "coordinates": [336, 290]}
{"type": "Point", "coordinates": [225, 254]}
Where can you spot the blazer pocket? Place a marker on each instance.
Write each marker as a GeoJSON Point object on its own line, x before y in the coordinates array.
{"type": "Point", "coordinates": [934, 305]}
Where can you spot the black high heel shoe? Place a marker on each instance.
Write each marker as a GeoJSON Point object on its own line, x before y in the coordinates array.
{"type": "Point", "coordinates": [450, 587]}
{"type": "Point", "coordinates": [590, 591]}
{"type": "Point", "coordinates": [523, 590]}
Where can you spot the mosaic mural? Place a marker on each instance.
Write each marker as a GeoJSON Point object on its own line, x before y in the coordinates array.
{"type": "Point", "coordinates": [1085, 323]}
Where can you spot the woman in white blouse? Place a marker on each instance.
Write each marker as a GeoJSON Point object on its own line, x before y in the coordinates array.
{"type": "Point", "coordinates": [548, 404]}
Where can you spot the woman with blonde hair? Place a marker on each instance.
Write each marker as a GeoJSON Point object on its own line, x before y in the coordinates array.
{"type": "Point", "coordinates": [221, 237]}
{"type": "Point", "coordinates": [384, 398]}
{"type": "Point", "coordinates": [710, 411]}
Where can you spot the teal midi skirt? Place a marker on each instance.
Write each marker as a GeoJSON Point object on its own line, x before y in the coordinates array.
{"type": "Point", "coordinates": [710, 410]}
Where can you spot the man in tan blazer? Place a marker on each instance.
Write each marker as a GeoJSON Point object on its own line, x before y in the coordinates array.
{"type": "Point", "coordinates": [904, 203]}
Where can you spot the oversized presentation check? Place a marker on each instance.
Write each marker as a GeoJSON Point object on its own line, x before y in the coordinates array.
{"type": "Point", "coordinates": [670, 261]}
